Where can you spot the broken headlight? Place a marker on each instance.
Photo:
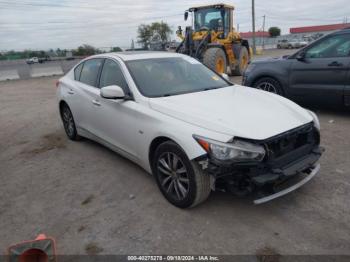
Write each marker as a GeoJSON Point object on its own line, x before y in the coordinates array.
{"type": "Point", "coordinates": [236, 151]}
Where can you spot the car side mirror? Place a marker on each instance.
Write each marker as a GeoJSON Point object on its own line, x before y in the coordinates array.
{"type": "Point", "coordinates": [301, 56]}
{"type": "Point", "coordinates": [225, 76]}
{"type": "Point", "coordinates": [112, 92]}
{"type": "Point", "coordinates": [186, 16]}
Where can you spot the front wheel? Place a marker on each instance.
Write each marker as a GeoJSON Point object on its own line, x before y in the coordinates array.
{"type": "Point", "coordinates": [215, 59]}
{"type": "Point", "coordinates": [181, 181]}
{"type": "Point", "coordinates": [269, 84]}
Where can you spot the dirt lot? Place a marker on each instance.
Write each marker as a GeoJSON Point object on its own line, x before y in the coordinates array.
{"type": "Point", "coordinates": [94, 201]}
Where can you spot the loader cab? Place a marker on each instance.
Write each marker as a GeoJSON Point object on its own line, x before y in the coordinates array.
{"type": "Point", "coordinates": [216, 18]}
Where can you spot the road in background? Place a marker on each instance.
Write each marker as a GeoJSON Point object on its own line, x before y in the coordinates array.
{"type": "Point", "coordinates": [24, 70]}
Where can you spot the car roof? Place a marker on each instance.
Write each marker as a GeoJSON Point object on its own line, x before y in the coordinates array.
{"type": "Point", "coordinates": [138, 55]}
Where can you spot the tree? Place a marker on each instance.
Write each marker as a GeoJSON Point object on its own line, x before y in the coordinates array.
{"type": "Point", "coordinates": [274, 31]}
{"type": "Point", "coordinates": [144, 35]}
{"type": "Point", "coordinates": [85, 50]}
{"type": "Point", "coordinates": [116, 49]}
{"type": "Point", "coordinates": [145, 32]}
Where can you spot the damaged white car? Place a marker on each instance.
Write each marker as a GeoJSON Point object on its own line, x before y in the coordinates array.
{"type": "Point", "coordinates": [189, 127]}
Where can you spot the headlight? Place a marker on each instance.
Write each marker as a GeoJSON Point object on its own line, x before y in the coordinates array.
{"type": "Point", "coordinates": [236, 151]}
{"type": "Point", "coordinates": [315, 119]}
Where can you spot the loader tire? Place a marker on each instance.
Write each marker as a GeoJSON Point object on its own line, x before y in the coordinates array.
{"type": "Point", "coordinates": [215, 59]}
{"type": "Point", "coordinates": [242, 62]}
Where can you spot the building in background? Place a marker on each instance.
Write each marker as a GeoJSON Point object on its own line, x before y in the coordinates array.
{"type": "Point", "coordinates": [306, 33]}
{"type": "Point", "coordinates": [261, 37]}
{"type": "Point", "coordinates": [314, 32]}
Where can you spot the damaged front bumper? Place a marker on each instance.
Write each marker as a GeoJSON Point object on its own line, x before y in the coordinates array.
{"type": "Point", "coordinates": [313, 172]}
{"type": "Point", "coordinates": [264, 181]}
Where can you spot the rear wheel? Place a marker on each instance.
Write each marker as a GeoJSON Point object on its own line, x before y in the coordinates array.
{"type": "Point", "coordinates": [181, 181]}
{"type": "Point", "coordinates": [269, 84]}
{"type": "Point", "coordinates": [215, 59]}
{"type": "Point", "coordinates": [68, 123]}
{"type": "Point", "coordinates": [243, 61]}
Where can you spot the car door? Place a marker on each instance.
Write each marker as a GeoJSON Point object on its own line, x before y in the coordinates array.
{"type": "Point", "coordinates": [347, 91]}
{"type": "Point", "coordinates": [319, 75]}
{"type": "Point", "coordinates": [71, 89]}
{"type": "Point", "coordinates": [115, 120]}
{"type": "Point", "coordinates": [85, 91]}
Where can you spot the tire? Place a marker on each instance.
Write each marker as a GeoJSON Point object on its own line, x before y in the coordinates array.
{"type": "Point", "coordinates": [183, 185]}
{"type": "Point", "coordinates": [242, 63]}
{"type": "Point", "coordinates": [269, 84]}
{"type": "Point", "coordinates": [68, 123]}
{"type": "Point", "coordinates": [215, 59]}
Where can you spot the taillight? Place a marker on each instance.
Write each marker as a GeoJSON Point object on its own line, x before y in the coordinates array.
{"type": "Point", "coordinates": [57, 83]}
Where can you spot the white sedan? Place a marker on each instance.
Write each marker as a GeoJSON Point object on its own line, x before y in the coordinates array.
{"type": "Point", "coordinates": [188, 126]}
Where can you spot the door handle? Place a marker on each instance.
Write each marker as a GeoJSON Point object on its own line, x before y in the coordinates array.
{"type": "Point", "coordinates": [96, 102]}
{"type": "Point", "coordinates": [71, 92]}
{"type": "Point", "coordinates": [335, 64]}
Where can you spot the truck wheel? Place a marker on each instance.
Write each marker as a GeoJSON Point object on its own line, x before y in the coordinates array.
{"type": "Point", "coordinates": [242, 63]}
{"type": "Point", "coordinates": [180, 180]}
{"type": "Point", "coordinates": [215, 59]}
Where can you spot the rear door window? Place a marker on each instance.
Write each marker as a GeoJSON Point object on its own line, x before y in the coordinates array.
{"type": "Point", "coordinates": [90, 71]}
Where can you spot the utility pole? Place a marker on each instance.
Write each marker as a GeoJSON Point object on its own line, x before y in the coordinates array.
{"type": "Point", "coordinates": [253, 19]}
{"type": "Point", "coordinates": [263, 43]}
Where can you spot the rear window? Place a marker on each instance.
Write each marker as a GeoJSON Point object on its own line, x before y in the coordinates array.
{"type": "Point", "coordinates": [77, 71]}
{"type": "Point", "coordinates": [90, 71]}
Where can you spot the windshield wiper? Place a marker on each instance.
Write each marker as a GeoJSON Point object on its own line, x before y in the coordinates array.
{"type": "Point", "coordinates": [212, 88]}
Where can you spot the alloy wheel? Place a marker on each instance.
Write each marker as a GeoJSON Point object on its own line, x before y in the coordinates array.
{"type": "Point", "coordinates": [68, 122]}
{"type": "Point", "coordinates": [173, 175]}
{"type": "Point", "coordinates": [266, 86]}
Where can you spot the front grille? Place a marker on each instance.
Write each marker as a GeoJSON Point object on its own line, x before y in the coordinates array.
{"type": "Point", "coordinates": [287, 142]}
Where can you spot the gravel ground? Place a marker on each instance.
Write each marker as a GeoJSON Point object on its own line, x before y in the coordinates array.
{"type": "Point", "coordinates": [94, 201]}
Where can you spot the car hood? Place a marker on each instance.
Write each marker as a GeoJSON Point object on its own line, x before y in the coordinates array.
{"type": "Point", "coordinates": [235, 111]}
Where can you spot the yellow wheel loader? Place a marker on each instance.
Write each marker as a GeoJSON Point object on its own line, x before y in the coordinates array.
{"type": "Point", "coordinates": [213, 40]}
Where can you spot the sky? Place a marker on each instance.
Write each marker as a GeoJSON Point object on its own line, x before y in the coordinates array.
{"type": "Point", "coordinates": [44, 24]}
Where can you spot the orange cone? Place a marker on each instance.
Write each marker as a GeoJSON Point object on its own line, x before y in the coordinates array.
{"type": "Point", "coordinates": [42, 249]}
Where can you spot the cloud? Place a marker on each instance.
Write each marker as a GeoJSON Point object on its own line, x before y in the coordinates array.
{"type": "Point", "coordinates": [43, 24]}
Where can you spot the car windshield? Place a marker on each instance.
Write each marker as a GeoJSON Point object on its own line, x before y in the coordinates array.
{"type": "Point", "coordinates": [159, 77]}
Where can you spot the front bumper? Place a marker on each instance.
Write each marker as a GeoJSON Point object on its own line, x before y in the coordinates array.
{"type": "Point", "coordinates": [312, 174]}
{"type": "Point", "coordinates": [265, 180]}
